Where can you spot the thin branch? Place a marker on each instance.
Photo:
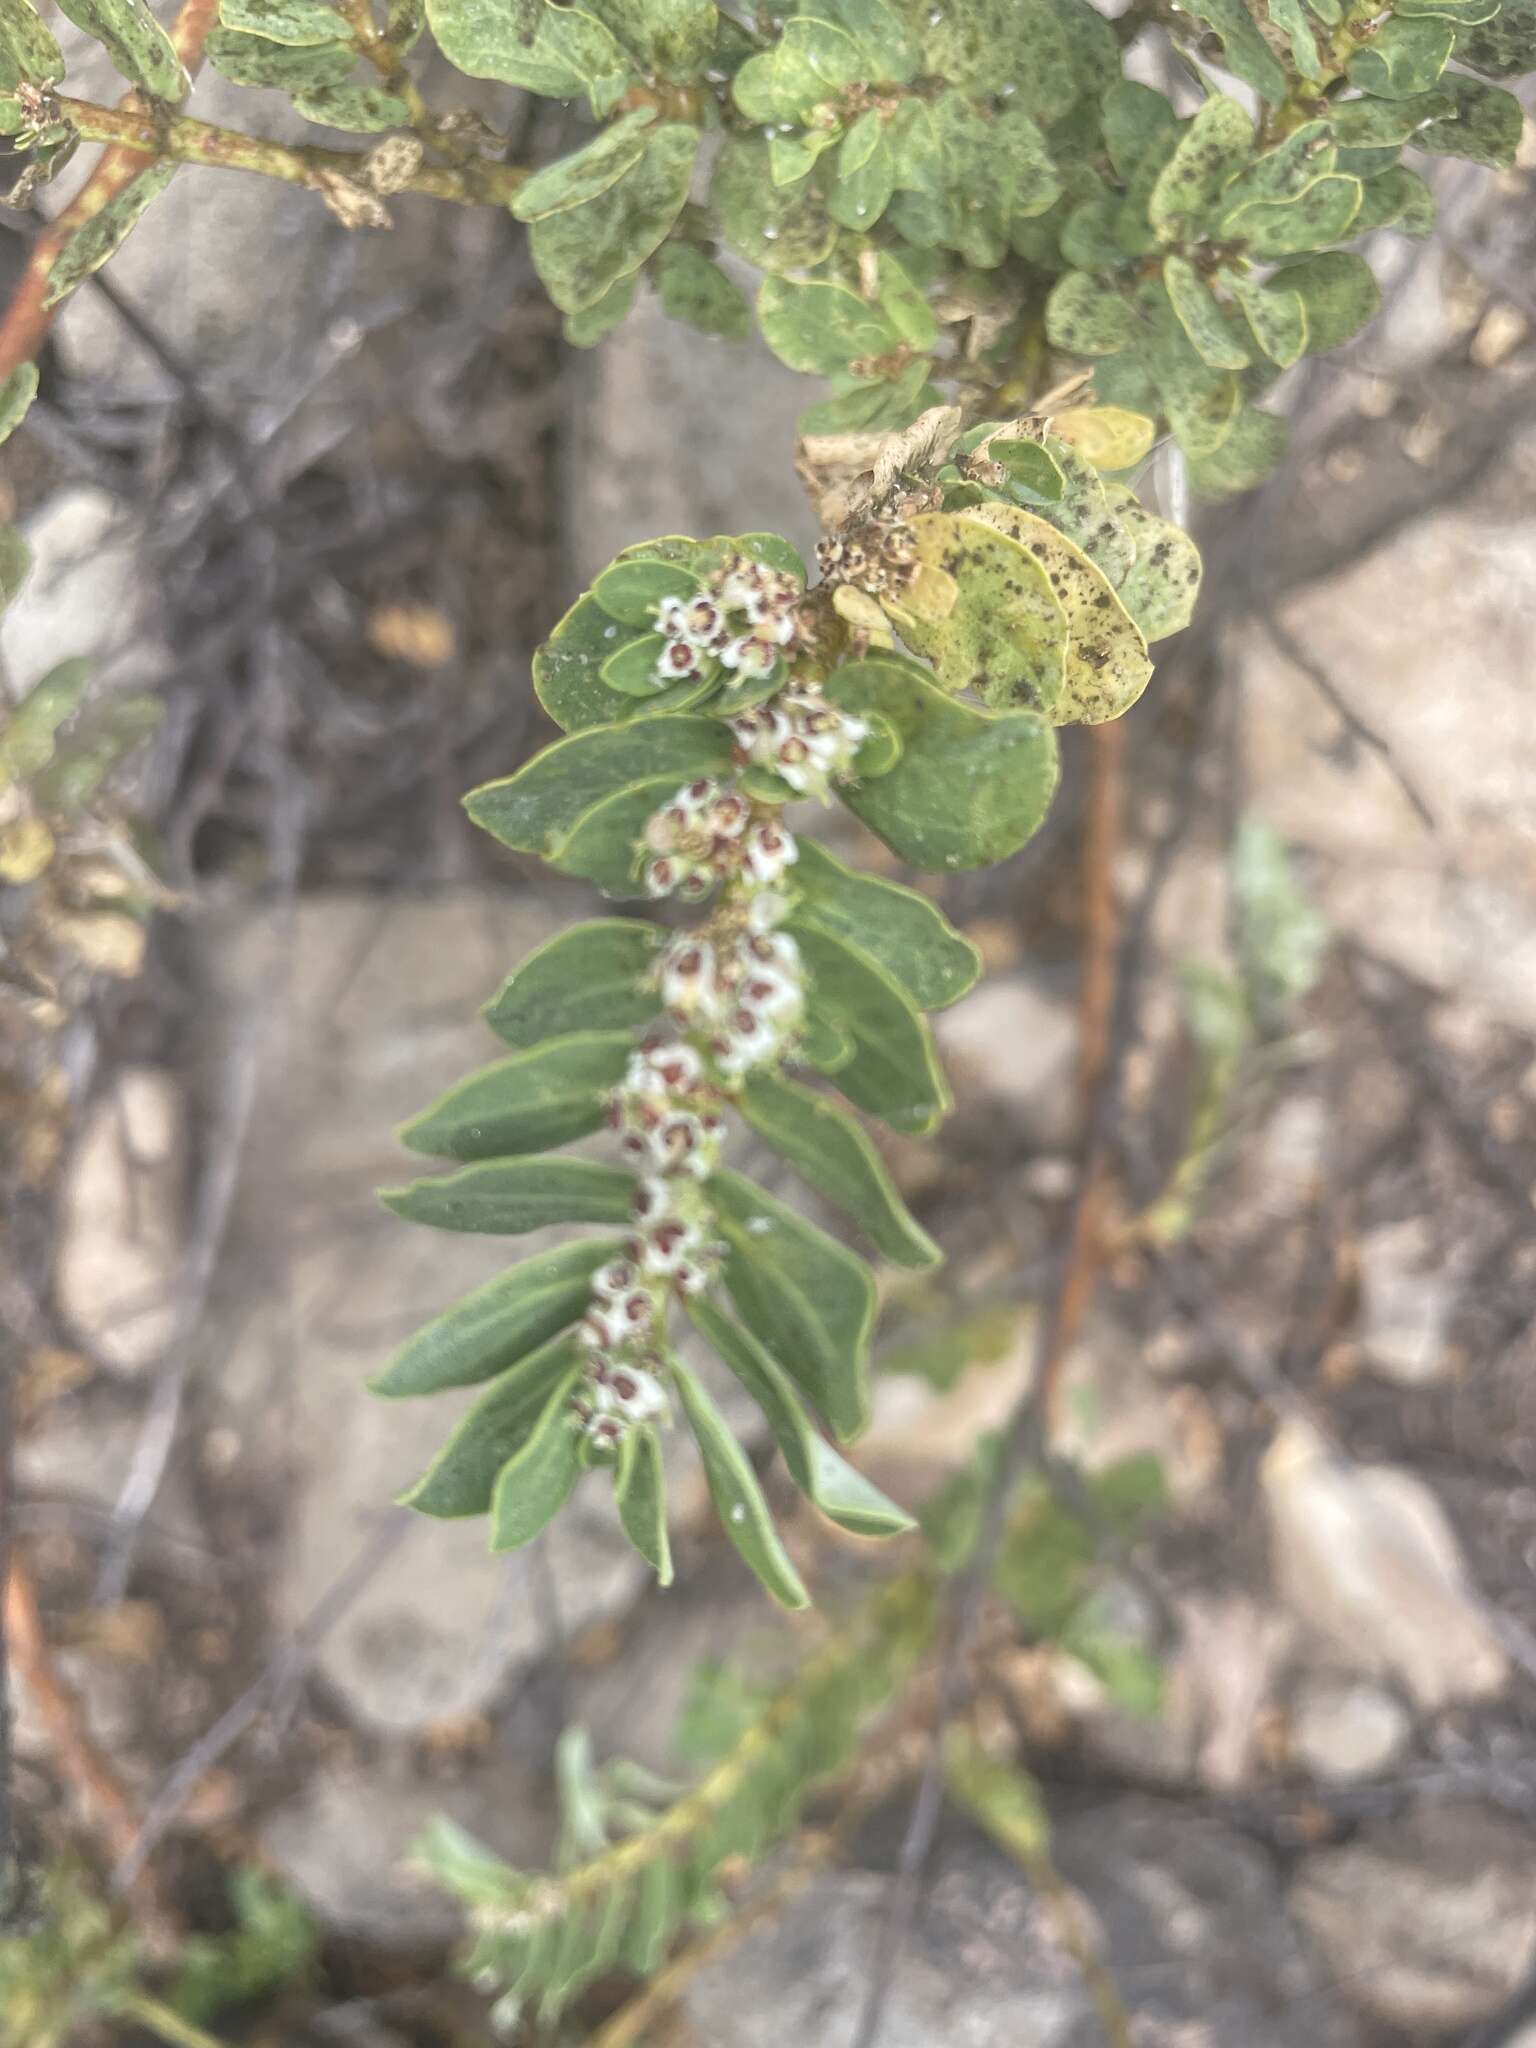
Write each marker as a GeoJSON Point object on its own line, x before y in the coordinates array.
{"type": "Point", "coordinates": [1307, 664]}
{"type": "Point", "coordinates": [27, 319]}
{"type": "Point", "coordinates": [1066, 1297]}
{"type": "Point", "coordinates": [184, 140]}
{"type": "Point", "coordinates": [87, 1771]}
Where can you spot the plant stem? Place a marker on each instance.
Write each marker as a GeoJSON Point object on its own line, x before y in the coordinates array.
{"type": "Point", "coordinates": [187, 141]}
{"type": "Point", "coordinates": [387, 60]}
{"type": "Point", "coordinates": [25, 323]}
{"type": "Point", "coordinates": [170, 2026]}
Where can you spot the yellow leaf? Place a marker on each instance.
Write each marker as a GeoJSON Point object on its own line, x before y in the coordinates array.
{"type": "Point", "coordinates": [1109, 436]}
{"type": "Point", "coordinates": [26, 848]}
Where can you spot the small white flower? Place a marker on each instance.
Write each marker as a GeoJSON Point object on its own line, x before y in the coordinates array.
{"type": "Point", "coordinates": [672, 618]}
{"type": "Point", "coordinates": [614, 1279]}
{"type": "Point", "coordinates": [635, 1395]}
{"type": "Point", "coordinates": [669, 1245]}
{"type": "Point", "coordinates": [770, 850]}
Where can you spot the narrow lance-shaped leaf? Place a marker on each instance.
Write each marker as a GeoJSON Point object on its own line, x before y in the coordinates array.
{"type": "Point", "coordinates": [640, 1490]}
{"type": "Point", "coordinates": [490, 1330]}
{"type": "Point", "coordinates": [596, 976]}
{"type": "Point", "coordinates": [16, 396]}
{"type": "Point", "coordinates": [736, 1494]}
{"type": "Point", "coordinates": [538, 1480]}
{"type": "Point", "coordinates": [585, 173]}
{"type": "Point", "coordinates": [894, 1073]}
{"type": "Point", "coordinates": [505, 1197]}
{"type": "Point", "coordinates": [104, 234]}
{"type": "Point", "coordinates": [904, 932]}
{"type": "Point", "coordinates": [32, 49]}
{"type": "Point", "coordinates": [538, 1099]}
{"type": "Point", "coordinates": [462, 1477]}
{"type": "Point", "coordinates": [833, 1156]}
{"type": "Point", "coordinates": [809, 1300]}
{"type": "Point", "coordinates": [843, 1494]}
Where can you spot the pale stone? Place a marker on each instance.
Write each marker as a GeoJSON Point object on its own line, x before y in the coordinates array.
{"type": "Point", "coordinates": [1345, 1729]}
{"type": "Point", "coordinates": [1365, 1558]}
{"type": "Point", "coordinates": [1016, 1039]}
{"type": "Point", "coordinates": [1429, 640]}
{"type": "Point", "coordinates": [1430, 1921]}
{"type": "Point", "coordinates": [121, 1230]}
{"type": "Point", "coordinates": [86, 590]}
{"type": "Point", "coordinates": [1405, 1304]}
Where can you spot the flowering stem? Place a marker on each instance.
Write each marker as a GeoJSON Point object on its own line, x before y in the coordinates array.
{"type": "Point", "coordinates": [184, 140]}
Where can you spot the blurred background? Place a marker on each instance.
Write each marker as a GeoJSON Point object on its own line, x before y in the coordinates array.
{"type": "Point", "coordinates": [319, 495]}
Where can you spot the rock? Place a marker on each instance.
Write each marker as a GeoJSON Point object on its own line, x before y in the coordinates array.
{"type": "Point", "coordinates": [1429, 638]}
{"type": "Point", "coordinates": [1015, 1039]}
{"type": "Point", "coordinates": [121, 1231]}
{"type": "Point", "coordinates": [1190, 1923]}
{"type": "Point", "coordinates": [85, 594]}
{"type": "Point", "coordinates": [1405, 1304]}
{"type": "Point", "coordinates": [1347, 1728]}
{"type": "Point", "coordinates": [1364, 1557]}
{"type": "Point", "coordinates": [1429, 1921]}
{"type": "Point", "coordinates": [344, 1844]}
{"type": "Point", "coordinates": [375, 1011]}
{"type": "Point", "coordinates": [677, 432]}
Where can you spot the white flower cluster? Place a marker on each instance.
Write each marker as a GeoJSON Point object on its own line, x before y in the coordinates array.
{"type": "Point", "coordinates": [663, 1110]}
{"type": "Point", "coordinates": [801, 737]}
{"type": "Point", "coordinates": [706, 833]}
{"type": "Point", "coordinates": [747, 1002]}
{"type": "Point", "coordinates": [744, 620]}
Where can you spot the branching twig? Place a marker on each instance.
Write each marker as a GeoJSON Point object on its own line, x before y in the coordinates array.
{"type": "Point", "coordinates": [81, 1763]}
{"type": "Point", "coordinates": [25, 323]}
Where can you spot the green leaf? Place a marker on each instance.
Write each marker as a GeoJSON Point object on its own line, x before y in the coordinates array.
{"type": "Point", "coordinates": [694, 289]}
{"type": "Point", "coordinates": [462, 1477]}
{"type": "Point", "coordinates": [640, 1489]}
{"type": "Point", "coordinates": [505, 1197]}
{"type": "Point", "coordinates": [567, 671]}
{"type": "Point", "coordinates": [1397, 198]}
{"type": "Point", "coordinates": [296, 23]}
{"type": "Point", "coordinates": [1250, 451]}
{"type": "Point", "coordinates": [105, 232]}
{"type": "Point", "coordinates": [257, 61]}
{"type": "Point", "coordinates": [143, 53]}
{"type": "Point", "coordinates": [31, 50]}
{"type": "Point", "coordinates": [532, 1102]}
{"type": "Point", "coordinates": [16, 396]}
{"type": "Point", "coordinates": [604, 846]}
{"type": "Point", "coordinates": [1485, 127]}
{"type": "Point", "coordinates": [105, 734]}
{"type": "Point", "coordinates": [818, 326]}
{"type": "Point", "coordinates": [540, 1477]}
{"type": "Point", "coordinates": [1321, 214]}
{"type": "Point", "coordinates": [805, 1297]}
{"type": "Point", "coordinates": [1246, 54]}
{"type": "Point", "coordinates": [1163, 583]}
{"type": "Point", "coordinates": [1276, 316]}
{"type": "Point", "coordinates": [736, 1494]}
{"type": "Point", "coordinates": [862, 191]}
{"type": "Point", "coordinates": [903, 303]}
{"type": "Point", "coordinates": [1212, 150]}
{"type": "Point", "coordinates": [894, 1073]}
{"type": "Point", "coordinates": [15, 562]}
{"type": "Point", "coordinates": [796, 155]}
{"type": "Point", "coordinates": [672, 38]}
{"type": "Point", "coordinates": [1502, 47]}
{"type": "Point", "coordinates": [581, 253]}
{"type": "Point", "coordinates": [587, 173]}
{"type": "Point", "coordinates": [810, 61]}
{"type": "Point", "coordinates": [986, 46]}
{"type": "Point", "coordinates": [533, 810]}
{"type": "Point", "coordinates": [593, 323]}
{"type": "Point", "coordinates": [657, 1910]}
{"type": "Point", "coordinates": [596, 976]}
{"type": "Point", "coordinates": [1464, 12]}
{"type": "Point", "coordinates": [1006, 637]}
{"type": "Point", "coordinates": [1283, 172]}
{"type": "Point", "coordinates": [1107, 664]}
{"type": "Point", "coordinates": [900, 930]}
{"type": "Point", "coordinates": [1290, 17]}
{"type": "Point", "coordinates": [630, 591]}
{"type": "Point", "coordinates": [1377, 124]}
{"type": "Point", "coordinates": [971, 786]}
{"type": "Point", "coordinates": [890, 50]}
{"type": "Point", "coordinates": [360, 109]}
{"type": "Point", "coordinates": [30, 729]}
{"type": "Point", "coordinates": [833, 1156]}
{"type": "Point", "coordinates": [1088, 316]}
{"type": "Point", "coordinates": [490, 1330]}
{"type": "Point", "coordinates": [559, 52]}
{"type": "Point", "coordinates": [1405, 57]}
{"type": "Point", "coordinates": [1212, 332]}
{"type": "Point", "coordinates": [775, 228]}
{"type": "Point", "coordinates": [1034, 475]}
{"type": "Point", "coordinates": [1136, 118]}
{"type": "Point", "coordinates": [843, 1494]}
{"type": "Point", "coordinates": [1339, 292]}
{"type": "Point", "coordinates": [1004, 1799]}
